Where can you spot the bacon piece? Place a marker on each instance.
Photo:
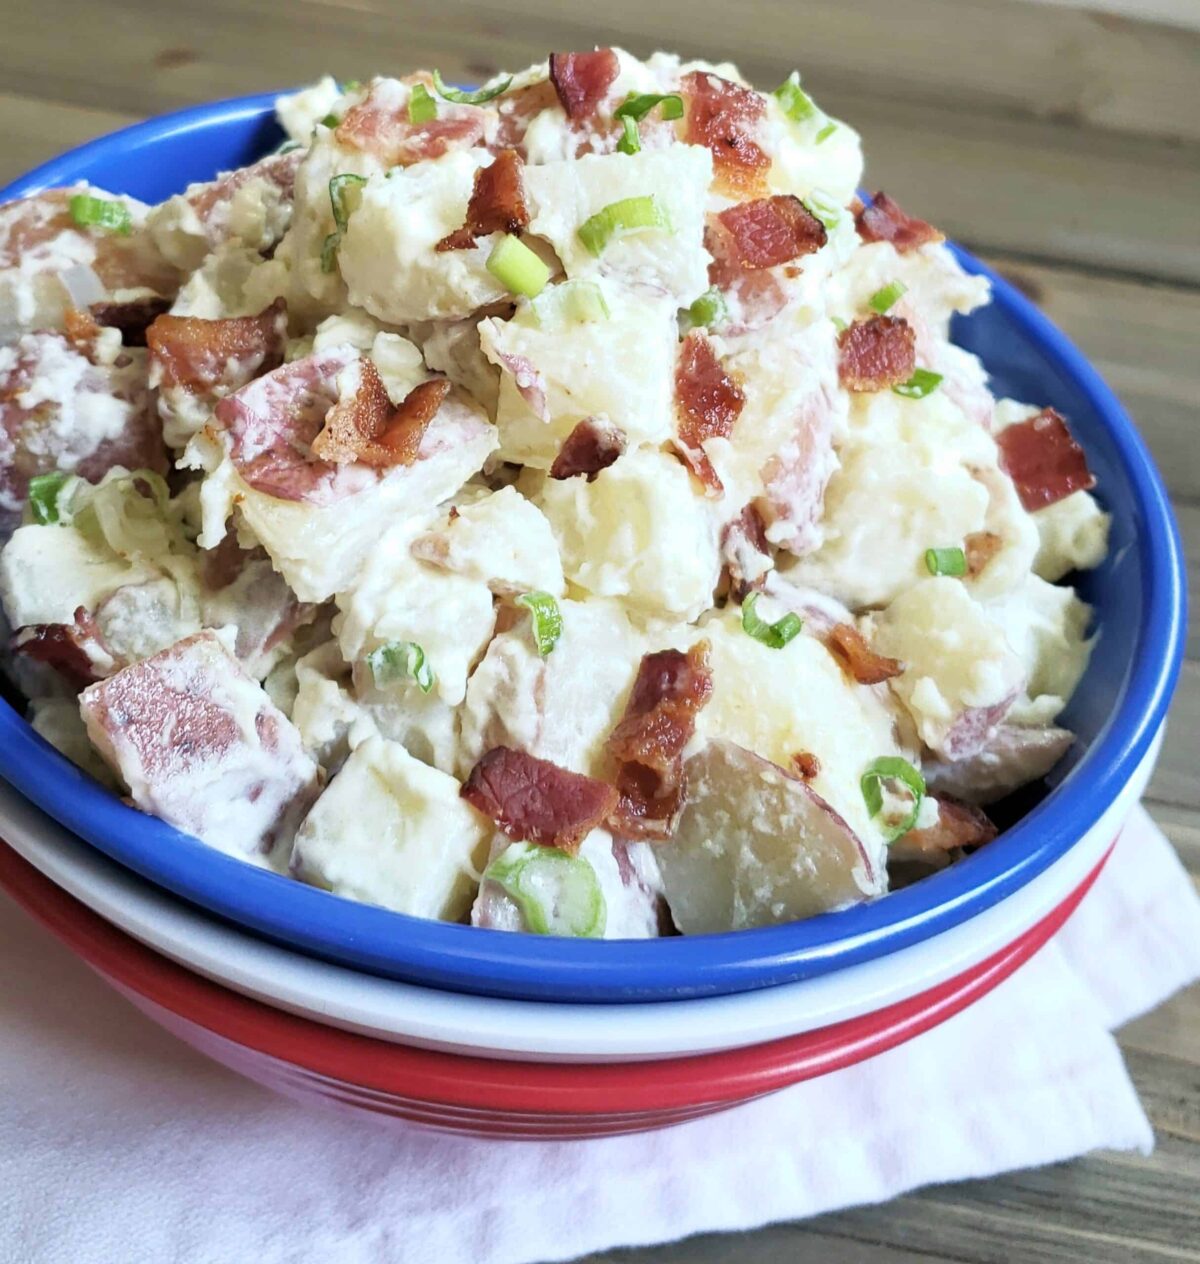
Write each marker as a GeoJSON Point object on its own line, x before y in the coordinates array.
{"type": "Point", "coordinates": [848, 645]}
{"type": "Point", "coordinates": [200, 745]}
{"type": "Point", "coordinates": [958, 826]}
{"type": "Point", "coordinates": [647, 745]}
{"type": "Point", "coordinates": [75, 650]}
{"type": "Point", "coordinates": [363, 426]}
{"type": "Point", "coordinates": [807, 764]}
{"type": "Point", "coordinates": [535, 800]}
{"type": "Point", "coordinates": [380, 126]}
{"type": "Point", "coordinates": [201, 356]}
{"type": "Point", "coordinates": [592, 446]}
{"type": "Point", "coordinates": [582, 80]}
{"type": "Point", "coordinates": [771, 231]}
{"type": "Point", "coordinates": [497, 203]}
{"type": "Point", "coordinates": [877, 353]}
{"type": "Point", "coordinates": [1043, 460]}
{"type": "Point", "coordinates": [883, 220]}
{"type": "Point", "coordinates": [725, 117]}
{"type": "Point", "coordinates": [746, 553]}
{"type": "Point", "coordinates": [707, 403]}
{"type": "Point", "coordinates": [980, 547]}
{"type": "Point", "coordinates": [81, 330]}
{"type": "Point", "coordinates": [132, 318]}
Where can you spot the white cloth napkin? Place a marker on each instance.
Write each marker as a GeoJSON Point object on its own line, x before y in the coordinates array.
{"type": "Point", "coordinates": [117, 1143]}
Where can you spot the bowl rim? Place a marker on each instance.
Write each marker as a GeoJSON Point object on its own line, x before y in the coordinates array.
{"type": "Point", "coordinates": [471, 959]}
{"type": "Point", "coordinates": [553, 1089]}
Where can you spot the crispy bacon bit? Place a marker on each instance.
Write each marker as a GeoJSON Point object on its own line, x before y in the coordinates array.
{"type": "Point", "coordinates": [958, 826]}
{"type": "Point", "coordinates": [883, 220]}
{"type": "Point", "coordinates": [497, 203]}
{"type": "Point", "coordinates": [362, 426]}
{"type": "Point", "coordinates": [1043, 460]}
{"type": "Point", "coordinates": [746, 553]}
{"type": "Point", "coordinates": [75, 650]}
{"type": "Point", "coordinates": [877, 353]}
{"type": "Point", "coordinates": [132, 318]}
{"type": "Point", "coordinates": [81, 330]}
{"type": "Point", "coordinates": [647, 745]}
{"type": "Point", "coordinates": [807, 764]}
{"type": "Point", "coordinates": [707, 403]}
{"type": "Point", "coordinates": [725, 117]}
{"type": "Point", "coordinates": [848, 645]}
{"type": "Point", "coordinates": [771, 231]}
{"type": "Point", "coordinates": [198, 354]}
{"type": "Point", "coordinates": [592, 446]}
{"type": "Point", "coordinates": [582, 79]}
{"type": "Point", "coordinates": [980, 547]}
{"type": "Point", "coordinates": [536, 801]}
{"type": "Point", "coordinates": [380, 126]}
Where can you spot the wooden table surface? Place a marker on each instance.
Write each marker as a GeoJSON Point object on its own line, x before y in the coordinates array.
{"type": "Point", "coordinates": [1060, 143]}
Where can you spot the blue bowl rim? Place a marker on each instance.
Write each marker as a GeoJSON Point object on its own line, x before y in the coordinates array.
{"type": "Point", "coordinates": [469, 959]}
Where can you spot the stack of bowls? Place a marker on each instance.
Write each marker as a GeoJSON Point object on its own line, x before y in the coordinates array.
{"type": "Point", "coordinates": [509, 1035]}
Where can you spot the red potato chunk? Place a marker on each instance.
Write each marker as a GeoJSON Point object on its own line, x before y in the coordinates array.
{"type": "Point", "coordinates": [756, 846]}
{"type": "Point", "coordinates": [202, 747]}
{"type": "Point", "coordinates": [1011, 757]}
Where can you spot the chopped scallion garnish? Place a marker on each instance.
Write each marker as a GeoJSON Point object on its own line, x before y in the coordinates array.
{"type": "Point", "coordinates": [631, 138]}
{"type": "Point", "coordinates": [517, 268]}
{"type": "Point", "coordinates": [44, 490]}
{"type": "Point", "coordinates": [708, 310]}
{"type": "Point", "coordinates": [886, 298]}
{"type": "Point", "coordinates": [923, 382]}
{"type": "Point", "coordinates": [795, 102]}
{"type": "Point", "coordinates": [400, 660]}
{"type": "Point", "coordinates": [459, 97]}
{"type": "Point", "coordinates": [826, 132]}
{"type": "Point", "coordinates": [571, 302]}
{"type": "Point", "coordinates": [839, 324]}
{"type": "Point", "coordinates": [883, 775]}
{"type": "Point", "coordinates": [351, 85]}
{"type": "Point", "coordinates": [93, 212]}
{"type": "Point", "coordinates": [774, 635]}
{"type": "Point", "coordinates": [627, 215]}
{"type": "Point", "coordinates": [952, 562]}
{"type": "Point", "coordinates": [421, 106]}
{"type": "Point", "coordinates": [558, 894]}
{"type": "Point", "coordinates": [637, 106]}
{"type": "Point", "coordinates": [828, 212]}
{"type": "Point", "coordinates": [330, 120]}
{"type": "Point", "coordinates": [547, 619]}
{"type": "Point", "coordinates": [344, 195]}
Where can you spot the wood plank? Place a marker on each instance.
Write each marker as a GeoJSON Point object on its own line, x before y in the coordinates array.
{"type": "Point", "coordinates": [992, 171]}
{"type": "Point", "coordinates": [1181, 825]}
{"type": "Point", "coordinates": [1175, 780]}
{"type": "Point", "coordinates": [37, 130]}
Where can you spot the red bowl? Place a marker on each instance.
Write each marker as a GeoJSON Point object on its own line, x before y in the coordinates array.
{"type": "Point", "coordinates": [486, 1097]}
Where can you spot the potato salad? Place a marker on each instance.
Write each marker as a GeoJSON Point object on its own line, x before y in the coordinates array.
{"type": "Point", "coordinates": [557, 507]}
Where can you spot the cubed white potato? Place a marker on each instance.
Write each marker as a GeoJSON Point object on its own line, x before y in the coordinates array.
{"type": "Point", "coordinates": [562, 707]}
{"type": "Point", "coordinates": [1073, 535]}
{"type": "Point", "coordinates": [803, 165]}
{"type": "Point", "coordinates": [59, 722]}
{"type": "Point", "coordinates": [798, 700]}
{"type": "Point", "coordinates": [669, 261]}
{"type": "Point", "coordinates": [392, 831]}
{"type": "Point", "coordinates": [1046, 627]}
{"type": "Point", "coordinates": [501, 540]}
{"type": "Point", "coordinates": [555, 374]}
{"type": "Point", "coordinates": [388, 257]}
{"type": "Point", "coordinates": [1012, 538]}
{"type": "Point", "coordinates": [639, 531]}
{"type": "Point", "coordinates": [961, 676]}
{"type": "Point", "coordinates": [757, 846]}
{"type": "Point", "coordinates": [299, 112]}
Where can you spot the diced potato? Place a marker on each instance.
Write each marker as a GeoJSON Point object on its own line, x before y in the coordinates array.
{"type": "Point", "coordinates": [756, 846]}
{"type": "Point", "coordinates": [1073, 536]}
{"type": "Point", "coordinates": [1011, 758]}
{"type": "Point", "coordinates": [390, 830]}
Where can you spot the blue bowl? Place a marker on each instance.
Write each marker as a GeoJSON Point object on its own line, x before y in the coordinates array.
{"type": "Point", "coordinates": [1117, 710]}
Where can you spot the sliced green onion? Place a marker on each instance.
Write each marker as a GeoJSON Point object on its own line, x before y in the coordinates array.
{"type": "Point", "coordinates": [628, 215]}
{"type": "Point", "coordinates": [829, 213]}
{"type": "Point", "coordinates": [330, 120]}
{"type": "Point", "coordinates": [44, 490]}
{"type": "Point", "coordinates": [400, 660]}
{"type": "Point", "coordinates": [547, 619]}
{"type": "Point", "coordinates": [92, 212]}
{"type": "Point", "coordinates": [887, 297]}
{"type": "Point", "coordinates": [839, 324]}
{"type": "Point", "coordinates": [288, 146]}
{"type": "Point", "coordinates": [952, 562]}
{"type": "Point", "coordinates": [569, 303]}
{"type": "Point", "coordinates": [459, 97]}
{"type": "Point", "coordinates": [351, 85]}
{"type": "Point", "coordinates": [421, 106]}
{"type": "Point", "coordinates": [826, 132]}
{"type": "Point", "coordinates": [708, 310]}
{"type": "Point", "coordinates": [329, 249]}
{"type": "Point", "coordinates": [923, 382]}
{"type": "Point", "coordinates": [517, 268]}
{"type": "Point", "coordinates": [557, 894]}
{"type": "Point", "coordinates": [631, 138]}
{"type": "Point", "coordinates": [345, 195]}
{"type": "Point", "coordinates": [795, 102]}
{"type": "Point", "coordinates": [637, 105]}
{"type": "Point", "coordinates": [892, 768]}
{"type": "Point", "coordinates": [774, 635]}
